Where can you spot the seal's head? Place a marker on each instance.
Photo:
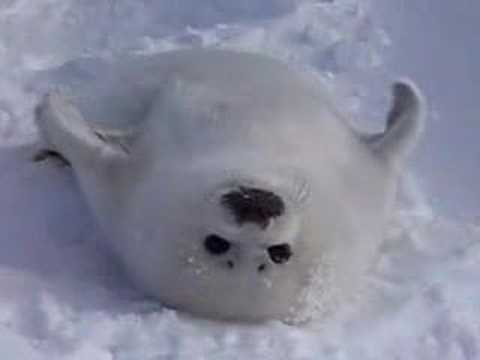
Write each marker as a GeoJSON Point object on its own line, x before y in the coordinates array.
{"type": "Point", "coordinates": [243, 194]}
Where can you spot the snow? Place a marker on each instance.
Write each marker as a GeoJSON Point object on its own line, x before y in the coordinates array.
{"type": "Point", "coordinates": [63, 297]}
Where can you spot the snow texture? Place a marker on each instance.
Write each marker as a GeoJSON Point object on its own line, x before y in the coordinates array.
{"type": "Point", "coordinates": [63, 297]}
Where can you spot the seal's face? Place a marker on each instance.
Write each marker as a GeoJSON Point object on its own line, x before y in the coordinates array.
{"type": "Point", "coordinates": [242, 239]}
{"type": "Point", "coordinates": [257, 210]}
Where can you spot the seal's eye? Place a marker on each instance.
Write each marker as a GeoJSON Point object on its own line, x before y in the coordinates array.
{"type": "Point", "coordinates": [216, 245]}
{"type": "Point", "coordinates": [280, 253]}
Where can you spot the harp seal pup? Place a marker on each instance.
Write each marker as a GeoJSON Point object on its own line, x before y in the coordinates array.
{"type": "Point", "coordinates": [228, 184]}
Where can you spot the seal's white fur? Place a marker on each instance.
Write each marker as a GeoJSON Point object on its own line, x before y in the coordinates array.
{"type": "Point", "coordinates": [156, 141]}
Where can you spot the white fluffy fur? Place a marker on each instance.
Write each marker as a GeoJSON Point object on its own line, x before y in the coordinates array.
{"type": "Point", "coordinates": [155, 141]}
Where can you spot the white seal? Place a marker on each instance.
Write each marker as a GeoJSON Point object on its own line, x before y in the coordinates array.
{"type": "Point", "coordinates": [228, 184]}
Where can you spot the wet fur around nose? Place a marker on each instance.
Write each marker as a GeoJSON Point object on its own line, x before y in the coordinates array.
{"type": "Point", "coordinates": [253, 205]}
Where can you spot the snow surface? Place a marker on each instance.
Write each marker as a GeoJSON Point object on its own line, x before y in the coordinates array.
{"type": "Point", "coordinates": [63, 297]}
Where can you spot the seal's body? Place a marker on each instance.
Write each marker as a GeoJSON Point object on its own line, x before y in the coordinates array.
{"type": "Point", "coordinates": [228, 184]}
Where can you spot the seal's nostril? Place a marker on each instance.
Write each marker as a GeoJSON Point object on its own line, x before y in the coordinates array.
{"type": "Point", "coordinates": [280, 253]}
{"type": "Point", "coordinates": [261, 267]}
{"type": "Point", "coordinates": [216, 245]}
{"type": "Point", "coordinates": [230, 264]}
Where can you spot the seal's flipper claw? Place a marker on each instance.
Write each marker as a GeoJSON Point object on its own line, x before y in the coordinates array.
{"type": "Point", "coordinates": [48, 154]}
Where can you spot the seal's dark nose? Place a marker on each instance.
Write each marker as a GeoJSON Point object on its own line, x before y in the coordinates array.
{"type": "Point", "coordinates": [253, 205]}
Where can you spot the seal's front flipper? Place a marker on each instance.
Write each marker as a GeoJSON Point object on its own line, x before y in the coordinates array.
{"type": "Point", "coordinates": [405, 123]}
{"type": "Point", "coordinates": [71, 137]}
{"type": "Point", "coordinates": [47, 154]}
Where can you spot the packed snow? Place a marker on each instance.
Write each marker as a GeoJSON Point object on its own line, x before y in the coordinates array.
{"type": "Point", "coordinates": [62, 296]}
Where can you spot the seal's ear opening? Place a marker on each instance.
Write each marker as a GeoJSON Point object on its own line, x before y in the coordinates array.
{"type": "Point", "coordinates": [67, 133]}
{"type": "Point", "coordinates": [405, 123]}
